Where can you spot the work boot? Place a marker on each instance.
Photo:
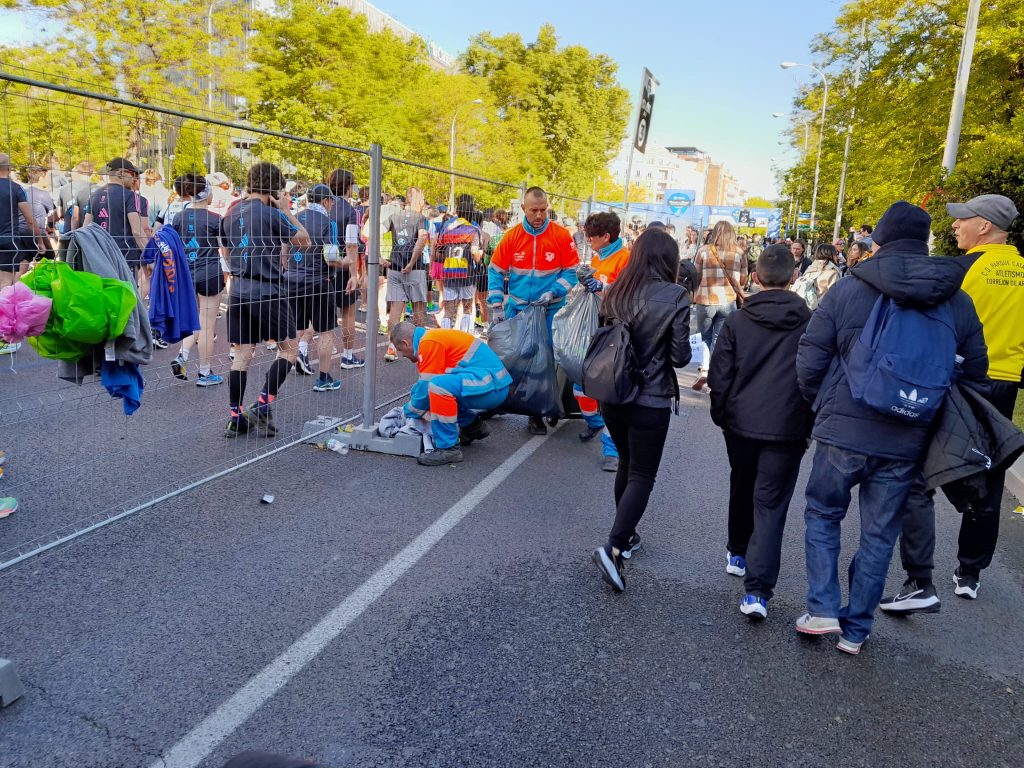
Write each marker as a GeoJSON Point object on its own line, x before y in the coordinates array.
{"type": "Point", "coordinates": [588, 434]}
{"type": "Point", "coordinates": [475, 430]}
{"type": "Point", "coordinates": [536, 426]}
{"type": "Point", "coordinates": [440, 457]}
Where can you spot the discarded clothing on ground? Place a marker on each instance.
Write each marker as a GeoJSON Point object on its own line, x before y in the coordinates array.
{"type": "Point", "coordinates": [394, 422]}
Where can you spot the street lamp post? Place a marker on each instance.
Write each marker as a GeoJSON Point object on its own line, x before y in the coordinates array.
{"type": "Point", "coordinates": [963, 75]}
{"type": "Point", "coordinates": [803, 156]}
{"type": "Point", "coordinates": [849, 137]}
{"type": "Point", "coordinates": [209, 79]}
{"type": "Point", "coordinates": [451, 156]}
{"type": "Point", "coordinates": [821, 135]}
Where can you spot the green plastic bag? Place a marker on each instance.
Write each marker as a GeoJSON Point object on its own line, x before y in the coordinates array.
{"type": "Point", "coordinates": [87, 309]}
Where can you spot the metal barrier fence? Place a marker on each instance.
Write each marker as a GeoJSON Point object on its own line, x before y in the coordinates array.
{"type": "Point", "coordinates": [75, 461]}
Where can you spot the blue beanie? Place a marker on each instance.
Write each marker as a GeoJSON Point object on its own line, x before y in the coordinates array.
{"type": "Point", "coordinates": [902, 221]}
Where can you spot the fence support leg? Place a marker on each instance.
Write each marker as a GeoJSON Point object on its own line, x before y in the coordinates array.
{"type": "Point", "coordinates": [372, 274]}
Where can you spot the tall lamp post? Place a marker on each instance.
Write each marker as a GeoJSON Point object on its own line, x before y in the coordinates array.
{"type": "Point", "coordinates": [209, 79]}
{"type": "Point", "coordinates": [451, 155]}
{"type": "Point", "coordinates": [963, 75]}
{"type": "Point", "coordinates": [821, 135]}
{"type": "Point", "coordinates": [807, 133]}
{"type": "Point", "coordinates": [849, 136]}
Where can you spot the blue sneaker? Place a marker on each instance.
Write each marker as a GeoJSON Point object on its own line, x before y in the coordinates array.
{"type": "Point", "coordinates": [735, 565]}
{"type": "Point", "coordinates": [755, 607]}
{"type": "Point", "coordinates": [326, 384]}
{"type": "Point", "coordinates": [209, 380]}
{"type": "Point", "coordinates": [352, 362]}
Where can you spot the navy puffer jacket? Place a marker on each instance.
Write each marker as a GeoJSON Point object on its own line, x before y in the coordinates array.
{"type": "Point", "coordinates": [902, 270]}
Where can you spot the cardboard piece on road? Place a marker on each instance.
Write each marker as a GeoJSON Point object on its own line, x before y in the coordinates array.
{"type": "Point", "coordinates": [10, 686]}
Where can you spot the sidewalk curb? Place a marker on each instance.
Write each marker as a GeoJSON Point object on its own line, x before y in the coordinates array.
{"type": "Point", "coordinates": [1015, 479]}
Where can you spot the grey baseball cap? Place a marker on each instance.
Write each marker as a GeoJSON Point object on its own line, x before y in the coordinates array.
{"type": "Point", "coordinates": [995, 208]}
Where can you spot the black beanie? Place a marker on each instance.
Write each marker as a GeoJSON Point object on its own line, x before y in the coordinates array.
{"type": "Point", "coordinates": [902, 221]}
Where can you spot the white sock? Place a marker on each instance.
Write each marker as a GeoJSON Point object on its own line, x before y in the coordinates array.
{"type": "Point", "coordinates": [204, 370]}
{"type": "Point", "coordinates": [183, 354]}
{"type": "Point", "coordinates": [346, 352]}
{"type": "Point", "coordinates": [303, 347]}
{"type": "Point", "coordinates": [446, 323]}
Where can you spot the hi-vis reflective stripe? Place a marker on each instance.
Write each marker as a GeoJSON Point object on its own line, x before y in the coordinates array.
{"type": "Point", "coordinates": [443, 406]}
{"type": "Point", "coordinates": [498, 268]}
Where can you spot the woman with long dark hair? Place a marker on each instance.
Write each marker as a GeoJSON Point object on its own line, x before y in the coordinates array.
{"type": "Point", "coordinates": [646, 296]}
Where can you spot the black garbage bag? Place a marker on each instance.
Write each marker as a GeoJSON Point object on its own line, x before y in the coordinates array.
{"type": "Point", "coordinates": [524, 345]}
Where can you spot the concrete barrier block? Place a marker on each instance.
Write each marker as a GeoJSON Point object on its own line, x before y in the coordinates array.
{"type": "Point", "coordinates": [11, 688]}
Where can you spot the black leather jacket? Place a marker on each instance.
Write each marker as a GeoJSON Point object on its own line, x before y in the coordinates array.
{"type": "Point", "coordinates": [660, 333]}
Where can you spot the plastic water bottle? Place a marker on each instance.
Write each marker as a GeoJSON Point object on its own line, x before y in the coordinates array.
{"type": "Point", "coordinates": [337, 446]}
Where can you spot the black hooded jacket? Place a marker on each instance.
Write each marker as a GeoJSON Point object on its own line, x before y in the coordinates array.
{"type": "Point", "coordinates": [902, 270]}
{"type": "Point", "coordinates": [752, 374]}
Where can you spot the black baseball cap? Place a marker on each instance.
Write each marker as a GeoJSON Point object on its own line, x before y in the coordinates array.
{"type": "Point", "coordinates": [319, 193]}
{"type": "Point", "coordinates": [122, 164]}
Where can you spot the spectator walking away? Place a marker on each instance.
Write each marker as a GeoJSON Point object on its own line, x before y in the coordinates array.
{"type": "Point", "coordinates": [657, 310]}
{"type": "Point", "coordinates": [350, 276]}
{"type": "Point", "coordinates": [610, 257]}
{"type": "Point", "coordinates": [254, 233]}
{"type": "Point", "coordinates": [765, 420]}
{"type": "Point", "coordinates": [820, 276]}
{"type": "Point", "coordinates": [460, 378]}
{"type": "Point", "coordinates": [723, 270]}
{"type": "Point", "coordinates": [994, 280]}
{"type": "Point", "coordinates": [872, 423]}
{"type": "Point", "coordinates": [199, 230]}
{"type": "Point", "coordinates": [536, 259]}
{"type": "Point", "coordinates": [407, 275]}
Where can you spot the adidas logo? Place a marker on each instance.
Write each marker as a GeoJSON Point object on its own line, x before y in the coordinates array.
{"type": "Point", "coordinates": [912, 399]}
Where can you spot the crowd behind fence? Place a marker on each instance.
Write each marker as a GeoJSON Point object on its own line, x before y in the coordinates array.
{"type": "Point", "coordinates": [75, 462]}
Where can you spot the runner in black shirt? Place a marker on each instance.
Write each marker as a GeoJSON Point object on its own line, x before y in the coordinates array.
{"type": "Point", "coordinates": [14, 249]}
{"type": "Point", "coordinates": [115, 208]}
{"type": "Point", "coordinates": [350, 278]}
{"type": "Point", "coordinates": [256, 233]}
{"type": "Point", "coordinates": [199, 230]}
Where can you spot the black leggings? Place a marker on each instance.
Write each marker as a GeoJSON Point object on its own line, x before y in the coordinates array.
{"type": "Point", "coordinates": [639, 433]}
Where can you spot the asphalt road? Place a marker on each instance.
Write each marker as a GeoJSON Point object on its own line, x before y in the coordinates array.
{"type": "Point", "coordinates": [500, 645]}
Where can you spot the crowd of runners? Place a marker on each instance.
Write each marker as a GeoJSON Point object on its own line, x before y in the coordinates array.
{"type": "Point", "coordinates": [859, 347]}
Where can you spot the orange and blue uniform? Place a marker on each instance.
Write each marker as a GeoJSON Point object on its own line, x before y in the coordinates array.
{"type": "Point", "coordinates": [459, 378]}
{"type": "Point", "coordinates": [608, 263]}
{"type": "Point", "coordinates": [535, 261]}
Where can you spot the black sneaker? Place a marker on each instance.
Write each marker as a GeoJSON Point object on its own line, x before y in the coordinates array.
{"type": "Point", "coordinates": [912, 597]}
{"type": "Point", "coordinates": [632, 546]}
{"type": "Point", "coordinates": [237, 425]}
{"type": "Point", "coordinates": [966, 585]}
{"type": "Point", "coordinates": [610, 567]}
{"type": "Point", "coordinates": [261, 420]}
{"type": "Point", "coordinates": [475, 430]}
{"type": "Point", "coordinates": [536, 426]}
{"type": "Point", "coordinates": [440, 458]}
{"type": "Point", "coordinates": [302, 365]}
{"type": "Point", "coordinates": [178, 368]}
{"type": "Point", "coordinates": [588, 434]}
{"type": "Point", "coordinates": [160, 343]}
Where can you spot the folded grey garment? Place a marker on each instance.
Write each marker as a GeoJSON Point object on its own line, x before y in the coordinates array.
{"type": "Point", "coordinates": [391, 422]}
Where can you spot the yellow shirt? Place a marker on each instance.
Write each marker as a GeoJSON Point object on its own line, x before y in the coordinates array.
{"type": "Point", "coordinates": [995, 282]}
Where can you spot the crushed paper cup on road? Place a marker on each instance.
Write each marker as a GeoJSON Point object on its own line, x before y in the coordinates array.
{"type": "Point", "coordinates": [267, 499]}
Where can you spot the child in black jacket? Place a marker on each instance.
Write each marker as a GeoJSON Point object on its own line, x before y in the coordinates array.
{"type": "Point", "coordinates": [766, 422]}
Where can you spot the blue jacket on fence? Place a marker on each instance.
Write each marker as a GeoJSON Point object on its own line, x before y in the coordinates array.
{"type": "Point", "coordinates": [902, 270]}
{"type": "Point", "coordinates": [173, 311]}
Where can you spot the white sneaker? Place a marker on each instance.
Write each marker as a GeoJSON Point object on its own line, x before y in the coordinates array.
{"type": "Point", "coordinates": [817, 625]}
{"type": "Point", "coordinates": [848, 646]}
{"type": "Point", "coordinates": [9, 349]}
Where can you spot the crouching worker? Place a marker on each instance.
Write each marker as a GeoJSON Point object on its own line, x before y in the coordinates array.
{"type": "Point", "coordinates": [459, 379]}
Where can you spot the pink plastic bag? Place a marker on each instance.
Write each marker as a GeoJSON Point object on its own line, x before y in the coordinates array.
{"type": "Point", "coordinates": [22, 313]}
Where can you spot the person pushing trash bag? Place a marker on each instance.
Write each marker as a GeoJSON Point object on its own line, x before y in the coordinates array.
{"type": "Point", "coordinates": [460, 378]}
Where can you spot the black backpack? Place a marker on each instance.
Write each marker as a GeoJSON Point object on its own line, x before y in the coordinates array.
{"type": "Point", "coordinates": [611, 372]}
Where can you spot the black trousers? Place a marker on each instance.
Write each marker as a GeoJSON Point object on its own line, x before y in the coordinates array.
{"type": "Point", "coordinates": [761, 486]}
{"type": "Point", "coordinates": [639, 434]}
{"type": "Point", "coordinates": [979, 525]}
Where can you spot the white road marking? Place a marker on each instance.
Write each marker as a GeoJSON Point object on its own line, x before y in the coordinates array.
{"type": "Point", "coordinates": [198, 743]}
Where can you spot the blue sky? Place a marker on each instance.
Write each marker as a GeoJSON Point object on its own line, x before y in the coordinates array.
{"type": "Point", "coordinates": [716, 60]}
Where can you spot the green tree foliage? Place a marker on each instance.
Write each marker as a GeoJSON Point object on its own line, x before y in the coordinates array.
{"type": "Point", "coordinates": [758, 202]}
{"type": "Point", "coordinates": [189, 152]}
{"type": "Point", "coordinates": [565, 107]}
{"type": "Point", "coordinates": [902, 105]}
